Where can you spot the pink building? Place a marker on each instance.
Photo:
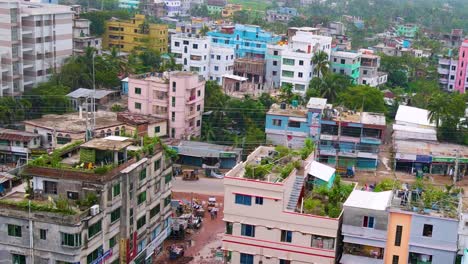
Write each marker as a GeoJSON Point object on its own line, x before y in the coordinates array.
{"type": "Point", "coordinates": [175, 96]}
{"type": "Point", "coordinates": [461, 82]}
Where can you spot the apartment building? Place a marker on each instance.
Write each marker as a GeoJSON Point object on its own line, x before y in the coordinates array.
{"type": "Point", "coordinates": [281, 14]}
{"type": "Point", "coordinates": [369, 70]}
{"type": "Point", "coordinates": [17, 146]}
{"type": "Point", "coordinates": [215, 6]}
{"type": "Point", "coordinates": [82, 37]}
{"type": "Point", "coordinates": [175, 96]}
{"type": "Point", "coordinates": [230, 9]}
{"type": "Point", "coordinates": [406, 30]}
{"type": "Point", "coordinates": [37, 38]}
{"type": "Point", "coordinates": [347, 63]}
{"type": "Point", "coordinates": [173, 7]}
{"type": "Point", "coordinates": [197, 54]}
{"type": "Point", "coordinates": [127, 35]}
{"type": "Point", "coordinates": [291, 63]}
{"type": "Point", "coordinates": [115, 213]}
{"type": "Point", "coordinates": [247, 40]}
{"type": "Point", "coordinates": [265, 218]}
{"type": "Point", "coordinates": [391, 227]}
{"type": "Point", "coordinates": [129, 4]}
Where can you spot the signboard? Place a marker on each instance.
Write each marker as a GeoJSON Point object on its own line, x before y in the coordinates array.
{"type": "Point", "coordinates": [449, 159]}
{"type": "Point", "coordinates": [402, 156]}
{"type": "Point", "coordinates": [104, 257]}
{"type": "Point", "coordinates": [227, 155]}
{"type": "Point", "coordinates": [423, 158]}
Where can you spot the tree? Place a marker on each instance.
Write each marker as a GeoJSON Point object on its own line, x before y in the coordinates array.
{"type": "Point", "coordinates": [363, 97]}
{"type": "Point", "coordinates": [330, 86]}
{"type": "Point", "coordinates": [321, 63]}
{"type": "Point", "coordinates": [437, 106]}
{"type": "Point", "coordinates": [205, 29]}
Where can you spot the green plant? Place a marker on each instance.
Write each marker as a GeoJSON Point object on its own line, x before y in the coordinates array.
{"type": "Point", "coordinates": [34, 206]}
{"type": "Point", "coordinates": [117, 108]}
{"type": "Point", "coordinates": [89, 200]}
{"type": "Point", "coordinates": [257, 171]}
{"type": "Point", "coordinates": [387, 185]}
{"type": "Point", "coordinates": [87, 155]}
{"type": "Point", "coordinates": [314, 206]}
{"type": "Point", "coordinates": [307, 149]}
{"type": "Point", "coordinates": [62, 203]}
{"type": "Point", "coordinates": [103, 169]}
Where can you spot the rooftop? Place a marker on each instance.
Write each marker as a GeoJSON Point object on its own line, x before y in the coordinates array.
{"type": "Point", "coordinates": [367, 118]}
{"type": "Point", "coordinates": [138, 119]}
{"type": "Point", "coordinates": [427, 148]}
{"type": "Point", "coordinates": [112, 143]}
{"type": "Point", "coordinates": [16, 135]}
{"type": "Point", "coordinates": [321, 171]}
{"type": "Point", "coordinates": [288, 110]}
{"type": "Point", "coordinates": [317, 103]}
{"type": "Point", "coordinates": [369, 200]}
{"type": "Point", "coordinates": [346, 54]}
{"type": "Point", "coordinates": [203, 149]}
{"type": "Point", "coordinates": [72, 123]}
{"type": "Point", "coordinates": [83, 92]}
{"type": "Point", "coordinates": [413, 116]}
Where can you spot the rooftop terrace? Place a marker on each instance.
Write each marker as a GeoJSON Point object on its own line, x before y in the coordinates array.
{"type": "Point", "coordinates": [288, 110]}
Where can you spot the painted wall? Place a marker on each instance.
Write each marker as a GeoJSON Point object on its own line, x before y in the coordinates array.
{"type": "Point", "coordinates": [404, 220]}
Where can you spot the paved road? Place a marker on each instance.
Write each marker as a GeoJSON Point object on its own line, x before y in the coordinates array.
{"type": "Point", "coordinates": [202, 186]}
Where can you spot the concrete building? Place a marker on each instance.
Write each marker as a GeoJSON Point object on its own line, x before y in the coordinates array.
{"type": "Point", "coordinates": [152, 8]}
{"type": "Point", "coordinates": [447, 70]}
{"type": "Point", "coordinates": [347, 63]}
{"type": "Point", "coordinates": [282, 14]}
{"type": "Point", "coordinates": [230, 9]}
{"type": "Point", "coordinates": [453, 40]}
{"type": "Point", "coordinates": [37, 38]}
{"type": "Point", "coordinates": [407, 30]}
{"type": "Point", "coordinates": [369, 70]}
{"type": "Point", "coordinates": [127, 216]}
{"type": "Point", "coordinates": [291, 63]}
{"type": "Point", "coordinates": [175, 96]}
{"type": "Point", "coordinates": [81, 98]}
{"type": "Point", "coordinates": [17, 146]}
{"type": "Point", "coordinates": [128, 35]}
{"type": "Point", "coordinates": [215, 6]}
{"type": "Point", "coordinates": [82, 37]}
{"type": "Point", "coordinates": [145, 125]}
{"type": "Point", "coordinates": [254, 71]}
{"type": "Point", "coordinates": [247, 40]}
{"type": "Point", "coordinates": [265, 218]}
{"type": "Point", "coordinates": [173, 8]}
{"type": "Point", "coordinates": [391, 227]}
{"type": "Point", "coordinates": [129, 4]}
{"type": "Point", "coordinates": [460, 80]}
{"type": "Point", "coordinates": [197, 54]}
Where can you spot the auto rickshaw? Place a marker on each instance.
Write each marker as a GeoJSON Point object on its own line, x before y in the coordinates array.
{"type": "Point", "coordinates": [190, 175]}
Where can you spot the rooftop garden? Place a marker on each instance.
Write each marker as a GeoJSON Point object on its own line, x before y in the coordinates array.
{"type": "Point", "coordinates": [280, 163]}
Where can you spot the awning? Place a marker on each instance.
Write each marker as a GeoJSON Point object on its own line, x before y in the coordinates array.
{"type": "Point", "coordinates": [298, 119]}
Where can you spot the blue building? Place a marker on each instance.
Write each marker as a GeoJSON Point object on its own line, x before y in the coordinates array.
{"type": "Point", "coordinates": [129, 4]}
{"type": "Point", "coordinates": [248, 41]}
{"type": "Point", "coordinates": [124, 83]}
{"type": "Point", "coordinates": [344, 139]}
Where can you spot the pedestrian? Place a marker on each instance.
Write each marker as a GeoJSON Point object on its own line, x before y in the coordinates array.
{"type": "Point", "coordinates": [212, 213]}
{"type": "Point", "coordinates": [215, 212]}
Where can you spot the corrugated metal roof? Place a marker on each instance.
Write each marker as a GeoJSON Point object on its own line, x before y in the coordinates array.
{"type": "Point", "coordinates": [83, 92]}
{"type": "Point", "coordinates": [16, 135]}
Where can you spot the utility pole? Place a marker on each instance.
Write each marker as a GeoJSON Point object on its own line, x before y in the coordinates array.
{"type": "Point", "coordinates": [338, 139]}
{"type": "Point", "coordinates": [455, 173]}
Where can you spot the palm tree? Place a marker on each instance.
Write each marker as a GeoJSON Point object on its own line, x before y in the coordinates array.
{"type": "Point", "coordinates": [321, 63]}
{"type": "Point", "coordinates": [204, 30]}
{"type": "Point", "coordinates": [437, 108]}
{"type": "Point", "coordinates": [331, 85]}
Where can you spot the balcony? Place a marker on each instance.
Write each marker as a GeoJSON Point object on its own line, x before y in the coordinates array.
{"type": "Point", "coordinates": [191, 98]}
{"type": "Point", "coordinates": [357, 253]}
{"type": "Point", "coordinates": [444, 61]}
{"type": "Point", "coordinates": [443, 81]}
{"type": "Point", "coordinates": [441, 70]}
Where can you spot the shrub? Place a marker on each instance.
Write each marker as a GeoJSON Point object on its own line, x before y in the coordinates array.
{"type": "Point", "coordinates": [387, 185]}
{"type": "Point", "coordinates": [117, 108]}
{"type": "Point", "coordinates": [314, 206]}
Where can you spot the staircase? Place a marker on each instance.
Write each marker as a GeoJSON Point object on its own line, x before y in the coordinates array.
{"type": "Point", "coordinates": [295, 192]}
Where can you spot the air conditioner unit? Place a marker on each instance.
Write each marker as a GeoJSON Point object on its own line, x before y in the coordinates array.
{"type": "Point", "coordinates": [94, 210]}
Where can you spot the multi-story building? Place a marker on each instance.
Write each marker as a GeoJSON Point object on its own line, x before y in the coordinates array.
{"type": "Point", "coordinates": [407, 30]}
{"type": "Point", "coordinates": [447, 70]}
{"type": "Point", "coordinates": [292, 63]}
{"type": "Point", "coordinates": [129, 4]}
{"type": "Point", "coordinates": [175, 96]}
{"type": "Point", "coordinates": [369, 70]}
{"type": "Point", "coordinates": [352, 138]}
{"type": "Point", "coordinates": [342, 42]}
{"type": "Point", "coordinates": [196, 53]}
{"type": "Point", "coordinates": [82, 37]}
{"type": "Point", "coordinates": [347, 63]}
{"type": "Point", "coordinates": [253, 70]}
{"type": "Point", "coordinates": [452, 40]}
{"type": "Point", "coordinates": [173, 7]}
{"type": "Point", "coordinates": [17, 146]}
{"type": "Point", "coordinates": [247, 40]}
{"type": "Point", "coordinates": [230, 9]}
{"type": "Point", "coordinates": [282, 14]}
{"type": "Point", "coordinates": [152, 8]}
{"type": "Point", "coordinates": [215, 6]}
{"type": "Point", "coordinates": [126, 35]}
{"type": "Point", "coordinates": [117, 208]}
{"type": "Point", "coordinates": [265, 217]}
{"type": "Point", "coordinates": [460, 80]}
{"type": "Point", "coordinates": [37, 38]}
{"type": "Point", "coordinates": [399, 226]}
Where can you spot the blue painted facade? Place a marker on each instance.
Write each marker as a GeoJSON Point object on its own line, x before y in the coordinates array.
{"type": "Point", "coordinates": [304, 126]}
{"type": "Point", "coordinates": [124, 84]}
{"type": "Point", "coordinates": [50, 2]}
{"type": "Point", "coordinates": [246, 40]}
{"type": "Point", "coordinates": [329, 184]}
{"type": "Point", "coordinates": [287, 11]}
{"type": "Point", "coordinates": [441, 245]}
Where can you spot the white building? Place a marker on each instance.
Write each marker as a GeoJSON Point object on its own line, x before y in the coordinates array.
{"type": "Point", "coordinates": [265, 218]}
{"type": "Point", "coordinates": [196, 53]}
{"type": "Point", "coordinates": [82, 37]}
{"type": "Point", "coordinates": [36, 39]}
{"type": "Point", "coordinates": [173, 7]}
{"type": "Point", "coordinates": [447, 70]}
{"type": "Point", "coordinates": [369, 70]}
{"type": "Point", "coordinates": [294, 60]}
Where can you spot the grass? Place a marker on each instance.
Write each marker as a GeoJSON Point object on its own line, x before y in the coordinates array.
{"type": "Point", "coordinates": [260, 5]}
{"type": "Point", "coordinates": [35, 206]}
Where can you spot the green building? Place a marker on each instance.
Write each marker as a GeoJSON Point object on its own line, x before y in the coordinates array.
{"type": "Point", "coordinates": [345, 62]}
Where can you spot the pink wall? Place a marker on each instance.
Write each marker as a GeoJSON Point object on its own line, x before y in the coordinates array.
{"type": "Point", "coordinates": [460, 78]}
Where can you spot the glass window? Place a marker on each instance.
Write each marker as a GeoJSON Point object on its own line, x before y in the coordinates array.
{"type": "Point", "coordinates": [14, 230]}
{"type": "Point", "coordinates": [113, 241]}
{"type": "Point", "coordinates": [94, 229]}
{"type": "Point", "coordinates": [243, 199]}
{"type": "Point", "coordinates": [289, 62]}
{"type": "Point", "coordinates": [141, 197]}
{"type": "Point", "coordinates": [155, 210]}
{"type": "Point", "coordinates": [246, 258]}
{"type": "Point", "coordinates": [368, 221]}
{"type": "Point", "coordinates": [43, 234]}
{"type": "Point", "coordinates": [94, 255]}
{"type": "Point", "coordinates": [115, 215]}
{"type": "Point", "coordinates": [259, 200]}
{"type": "Point", "coordinates": [137, 90]}
{"type": "Point", "coordinates": [167, 178]}
{"type": "Point", "coordinates": [248, 230]}
{"type": "Point", "coordinates": [157, 165]}
{"type": "Point", "coordinates": [141, 222]}
{"type": "Point", "coordinates": [138, 106]}
{"type": "Point", "coordinates": [143, 174]}
{"type": "Point", "coordinates": [116, 189]}
{"type": "Point", "coordinates": [71, 240]}
{"type": "Point", "coordinates": [229, 227]}
{"type": "Point", "coordinates": [286, 236]}
{"type": "Point", "coordinates": [18, 259]}
{"type": "Point", "coordinates": [322, 242]}
{"type": "Point", "coordinates": [398, 234]}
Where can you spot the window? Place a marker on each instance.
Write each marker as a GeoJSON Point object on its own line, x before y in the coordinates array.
{"type": "Point", "coordinates": [216, 68]}
{"type": "Point", "coordinates": [157, 129]}
{"type": "Point", "coordinates": [294, 124]}
{"type": "Point", "coordinates": [116, 189]}
{"type": "Point", "coordinates": [247, 230]}
{"type": "Point", "coordinates": [277, 122]}
{"type": "Point", "coordinates": [275, 53]}
{"type": "Point", "coordinates": [43, 234]}
{"type": "Point", "coordinates": [141, 197]}
{"type": "Point", "coordinates": [167, 201]}
{"type": "Point", "coordinates": [368, 221]}
{"type": "Point", "coordinates": [173, 101]}
{"type": "Point", "coordinates": [395, 259]}
{"type": "Point", "coordinates": [299, 74]}
{"type": "Point", "coordinates": [243, 199]}
{"type": "Point", "coordinates": [284, 261]}
{"type": "Point", "coordinates": [94, 255]}
{"type": "Point", "coordinates": [195, 46]}
{"type": "Point", "coordinates": [18, 259]}
{"type": "Point", "coordinates": [452, 77]}
{"type": "Point", "coordinates": [143, 174]}
{"type": "Point", "coordinates": [173, 119]}
{"type": "Point", "coordinates": [137, 90]}
{"type": "Point", "coordinates": [141, 222]}
{"type": "Point", "coordinates": [50, 187]}
{"type": "Point", "coordinates": [322, 242]}
{"type": "Point", "coordinates": [115, 215]}
{"type": "Point", "coordinates": [427, 230]}
{"type": "Point", "coordinates": [229, 227]}
{"type": "Point", "coordinates": [198, 108]}
{"type": "Point", "coordinates": [274, 73]}
{"type": "Point", "coordinates": [286, 236]}
{"type": "Point", "coordinates": [113, 241]}
{"type": "Point", "coordinates": [454, 68]}
{"type": "Point", "coordinates": [259, 200]}
{"type": "Point", "coordinates": [167, 178]}
{"type": "Point", "coordinates": [155, 210]}
{"type": "Point", "coordinates": [157, 164]}
{"type": "Point", "coordinates": [246, 258]}
{"type": "Point", "coordinates": [138, 106]}
{"type": "Point", "coordinates": [398, 233]}
{"type": "Point", "coordinates": [275, 63]}
{"type": "Point", "coordinates": [343, 61]}
{"type": "Point", "coordinates": [177, 44]}
{"type": "Point", "coordinates": [198, 123]}
{"type": "Point", "coordinates": [289, 62]}
{"type": "Point", "coordinates": [301, 62]}
{"type": "Point", "coordinates": [14, 230]}
{"type": "Point", "coordinates": [218, 57]}
{"type": "Point", "coordinates": [94, 229]}
{"type": "Point", "coordinates": [288, 74]}
{"type": "Point", "coordinates": [71, 240]}
{"type": "Point", "coordinates": [364, 72]}
{"type": "Point", "coordinates": [72, 195]}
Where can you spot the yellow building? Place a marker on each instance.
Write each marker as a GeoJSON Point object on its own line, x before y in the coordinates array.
{"type": "Point", "coordinates": [230, 9]}
{"type": "Point", "coordinates": [130, 34]}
